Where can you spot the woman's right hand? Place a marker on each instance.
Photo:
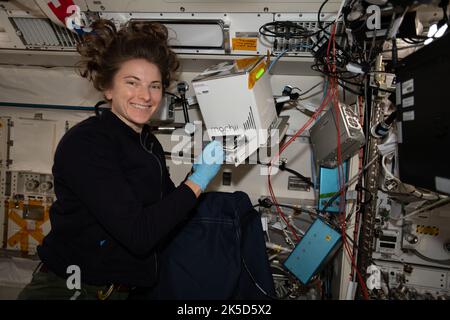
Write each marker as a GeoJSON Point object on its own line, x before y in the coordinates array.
{"type": "Point", "coordinates": [207, 164]}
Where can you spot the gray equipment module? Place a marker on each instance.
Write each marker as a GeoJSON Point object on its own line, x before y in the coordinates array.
{"type": "Point", "coordinates": [324, 136]}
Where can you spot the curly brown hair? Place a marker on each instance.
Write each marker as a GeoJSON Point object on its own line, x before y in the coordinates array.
{"type": "Point", "coordinates": [105, 49]}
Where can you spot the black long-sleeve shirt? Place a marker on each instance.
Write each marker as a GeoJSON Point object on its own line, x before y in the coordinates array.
{"type": "Point", "coordinates": [115, 202]}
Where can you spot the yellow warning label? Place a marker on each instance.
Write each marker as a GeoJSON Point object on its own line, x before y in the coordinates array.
{"type": "Point", "coordinates": [429, 230]}
{"type": "Point", "coordinates": [244, 44]}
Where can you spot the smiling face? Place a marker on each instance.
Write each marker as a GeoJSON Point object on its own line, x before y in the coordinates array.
{"type": "Point", "coordinates": [136, 92]}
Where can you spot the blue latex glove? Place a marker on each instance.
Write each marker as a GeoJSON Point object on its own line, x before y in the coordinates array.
{"type": "Point", "coordinates": [207, 164]}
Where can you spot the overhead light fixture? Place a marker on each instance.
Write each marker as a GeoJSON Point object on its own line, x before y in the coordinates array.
{"type": "Point", "coordinates": [437, 30]}
{"type": "Point", "coordinates": [432, 31]}
{"type": "Point", "coordinates": [441, 31]}
{"type": "Point", "coordinates": [428, 41]}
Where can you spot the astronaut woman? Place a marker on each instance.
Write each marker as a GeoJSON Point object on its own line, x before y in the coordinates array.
{"type": "Point", "coordinates": [115, 200]}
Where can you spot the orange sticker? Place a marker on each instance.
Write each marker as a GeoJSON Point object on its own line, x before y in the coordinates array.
{"type": "Point", "coordinates": [244, 44]}
{"type": "Point", "coordinates": [245, 63]}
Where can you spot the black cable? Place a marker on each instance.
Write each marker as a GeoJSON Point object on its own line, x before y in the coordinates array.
{"type": "Point", "coordinates": [412, 41]}
{"type": "Point", "coordinates": [184, 104]}
{"type": "Point", "coordinates": [316, 67]}
{"type": "Point", "coordinates": [351, 76]}
{"type": "Point", "coordinates": [359, 187]}
{"type": "Point", "coordinates": [358, 201]}
{"type": "Point", "coordinates": [367, 115]}
{"type": "Point", "coordinates": [319, 22]}
{"type": "Point", "coordinates": [349, 89]}
{"type": "Point", "coordinates": [310, 96]}
{"type": "Point", "coordinates": [350, 82]}
{"type": "Point", "coordinates": [255, 282]}
{"type": "Point", "coordinates": [309, 90]}
{"type": "Point", "coordinates": [291, 30]}
{"type": "Point", "coordinates": [417, 253]}
{"type": "Point", "coordinates": [404, 48]}
{"type": "Point", "coordinates": [267, 203]}
{"type": "Point", "coordinates": [299, 209]}
{"type": "Point", "coordinates": [342, 189]}
{"type": "Point", "coordinates": [238, 237]}
{"type": "Point", "coordinates": [171, 94]}
{"type": "Point", "coordinates": [283, 167]}
{"type": "Point", "coordinates": [332, 199]}
{"type": "Point", "coordinates": [361, 85]}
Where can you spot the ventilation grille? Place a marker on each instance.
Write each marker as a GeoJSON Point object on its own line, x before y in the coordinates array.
{"type": "Point", "coordinates": [250, 123]}
{"type": "Point", "coordinates": [294, 45]}
{"type": "Point", "coordinates": [40, 33]}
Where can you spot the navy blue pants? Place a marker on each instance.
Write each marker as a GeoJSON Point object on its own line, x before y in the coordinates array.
{"type": "Point", "coordinates": [219, 253]}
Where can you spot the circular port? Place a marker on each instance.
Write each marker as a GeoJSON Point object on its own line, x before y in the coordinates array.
{"type": "Point", "coordinates": [31, 184]}
{"type": "Point", "coordinates": [46, 186]}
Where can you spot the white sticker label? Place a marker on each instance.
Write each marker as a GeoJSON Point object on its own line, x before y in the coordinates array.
{"type": "Point", "coordinates": [389, 79]}
{"type": "Point", "coordinates": [279, 225]}
{"type": "Point", "coordinates": [264, 224]}
{"type": "Point", "coordinates": [442, 184]}
{"type": "Point", "coordinates": [408, 116]}
{"type": "Point", "coordinates": [200, 88]}
{"type": "Point", "coordinates": [408, 87]}
{"type": "Point", "coordinates": [408, 102]}
{"type": "Point", "coordinates": [398, 94]}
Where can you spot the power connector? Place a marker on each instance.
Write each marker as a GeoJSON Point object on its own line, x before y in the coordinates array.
{"type": "Point", "coordinates": [265, 203]}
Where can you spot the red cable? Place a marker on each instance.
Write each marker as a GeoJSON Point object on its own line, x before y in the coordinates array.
{"type": "Point", "coordinates": [282, 148]}
{"type": "Point", "coordinates": [341, 217]}
{"type": "Point", "coordinates": [334, 97]}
